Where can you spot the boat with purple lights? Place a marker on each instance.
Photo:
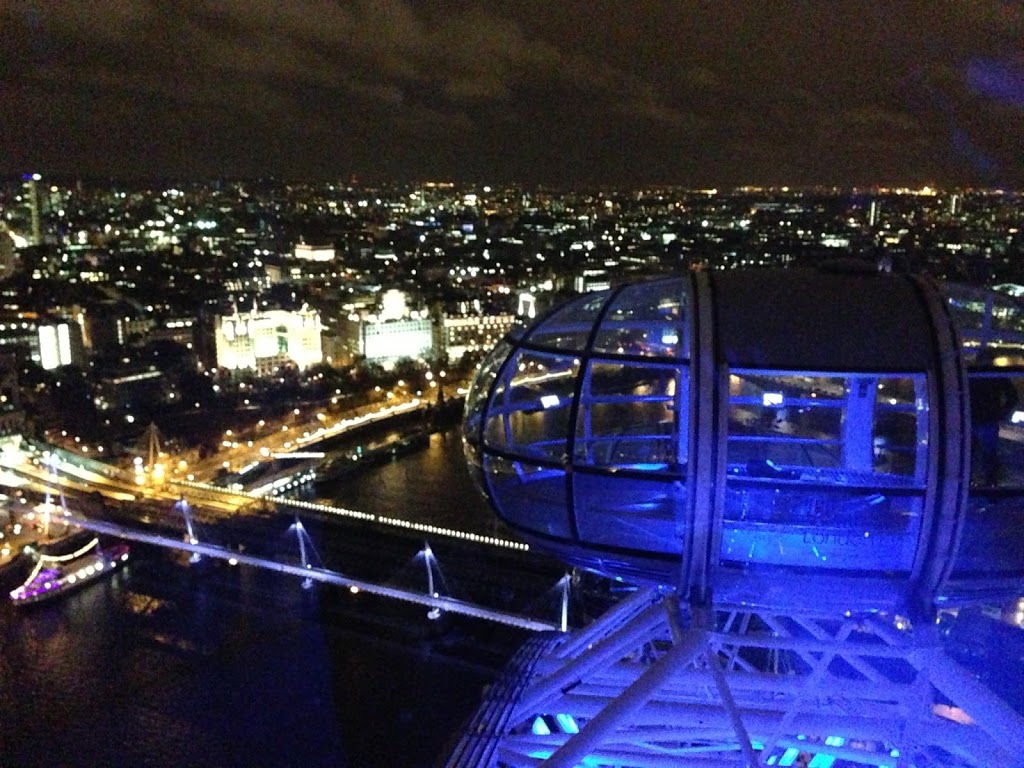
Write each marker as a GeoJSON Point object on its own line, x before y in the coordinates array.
{"type": "Point", "coordinates": [54, 575]}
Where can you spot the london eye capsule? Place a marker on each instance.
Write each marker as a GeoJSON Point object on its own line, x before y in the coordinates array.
{"type": "Point", "coordinates": [772, 438]}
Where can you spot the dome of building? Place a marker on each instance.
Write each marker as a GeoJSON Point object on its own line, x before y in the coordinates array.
{"type": "Point", "coordinates": [778, 438]}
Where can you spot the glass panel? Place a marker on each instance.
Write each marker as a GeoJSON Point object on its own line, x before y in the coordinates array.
{"type": "Point", "coordinates": [647, 319]}
{"type": "Point", "coordinates": [844, 430]}
{"type": "Point", "coordinates": [825, 471]}
{"type": "Point", "coordinates": [570, 327]}
{"type": "Point", "coordinates": [899, 426]}
{"type": "Point", "coordinates": [474, 459]}
{"type": "Point", "coordinates": [997, 428]}
{"type": "Point", "coordinates": [966, 307]}
{"type": "Point", "coordinates": [990, 543]}
{"type": "Point", "coordinates": [778, 421]}
{"type": "Point", "coordinates": [528, 495]}
{"type": "Point", "coordinates": [519, 328]}
{"type": "Point", "coordinates": [1007, 315]}
{"type": "Point", "coordinates": [824, 528]}
{"type": "Point", "coordinates": [480, 389]}
{"type": "Point", "coordinates": [996, 354]}
{"type": "Point", "coordinates": [986, 317]}
{"type": "Point", "coordinates": [630, 513]}
{"type": "Point", "coordinates": [529, 413]}
{"type": "Point", "coordinates": [630, 416]}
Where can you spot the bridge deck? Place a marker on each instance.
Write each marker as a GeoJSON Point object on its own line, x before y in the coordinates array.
{"type": "Point", "coordinates": [324, 575]}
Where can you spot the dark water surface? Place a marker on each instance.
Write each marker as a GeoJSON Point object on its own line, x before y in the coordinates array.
{"type": "Point", "coordinates": [431, 485]}
{"type": "Point", "coordinates": [170, 665]}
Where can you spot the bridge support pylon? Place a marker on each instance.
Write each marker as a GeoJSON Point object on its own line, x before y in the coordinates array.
{"type": "Point", "coordinates": [428, 559]}
{"type": "Point", "coordinates": [300, 534]}
{"type": "Point", "coordinates": [185, 509]}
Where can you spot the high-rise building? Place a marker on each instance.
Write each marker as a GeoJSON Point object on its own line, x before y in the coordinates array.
{"type": "Point", "coordinates": [31, 193]}
{"type": "Point", "coordinates": [50, 343]}
{"type": "Point", "coordinates": [873, 213]}
{"type": "Point", "coordinates": [60, 343]}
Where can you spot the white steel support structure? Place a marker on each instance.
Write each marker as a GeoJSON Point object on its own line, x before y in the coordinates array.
{"type": "Point", "coordinates": [651, 685]}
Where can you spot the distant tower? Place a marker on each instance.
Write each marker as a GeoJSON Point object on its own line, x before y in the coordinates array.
{"type": "Point", "coordinates": [32, 193]}
{"type": "Point", "coordinates": [873, 212]}
{"type": "Point", "coordinates": [954, 205]}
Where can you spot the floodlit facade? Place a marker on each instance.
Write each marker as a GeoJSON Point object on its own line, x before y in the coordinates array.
{"type": "Point", "coordinates": [391, 340]}
{"type": "Point", "coordinates": [798, 473]}
{"type": "Point", "coordinates": [306, 252]}
{"type": "Point", "coordinates": [58, 343]}
{"type": "Point", "coordinates": [265, 340]}
{"type": "Point", "coordinates": [473, 333]}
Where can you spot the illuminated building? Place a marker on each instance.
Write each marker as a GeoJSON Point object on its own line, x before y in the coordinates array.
{"type": "Point", "coordinates": [387, 341]}
{"type": "Point", "coordinates": [777, 468]}
{"type": "Point", "coordinates": [51, 344]}
{"type": "Point", "coordinates": [31, 192]}
{"type": "Point", "coordinates": [60, 344]}
{"type": "Point", "coordinates": [394, 305]}
{"type": "Point", "coordinates": [392, 333]}
{"type": "Point", "coordinates": [307, 252]}
{"type": "Point", "coordinates": [592, 280]}
{"type": "Point", "coordinates": [265, 340]}
{"type": "Point", "coordinates": [473, 333]}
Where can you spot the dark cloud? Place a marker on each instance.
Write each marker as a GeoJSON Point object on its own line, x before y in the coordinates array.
{"type": "Point", "coordinates": [997, 80]}
{"type": "Point", "coordinates": [596, 90]}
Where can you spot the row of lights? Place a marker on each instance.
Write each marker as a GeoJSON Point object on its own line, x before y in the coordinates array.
{"type": "Point", "coordinates": [477, 538]}
{"type": "Point", "coordinates": [345, 424]}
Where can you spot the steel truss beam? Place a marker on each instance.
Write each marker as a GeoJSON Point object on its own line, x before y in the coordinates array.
{"type": "Point", "coordinates": [652, 686]}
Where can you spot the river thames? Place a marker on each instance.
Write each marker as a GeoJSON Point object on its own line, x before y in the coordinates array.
{"type": "Point", "coordinates": [167, 665]}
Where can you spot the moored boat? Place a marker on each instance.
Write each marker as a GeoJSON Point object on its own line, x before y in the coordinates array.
{"type": "Point", "coordinates": [55, 575]}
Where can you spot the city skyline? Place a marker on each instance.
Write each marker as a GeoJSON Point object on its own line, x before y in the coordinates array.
{"type": "Point", "coordinates": [571, 93]}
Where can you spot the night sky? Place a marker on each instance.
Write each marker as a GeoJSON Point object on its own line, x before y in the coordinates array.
{"type": "Point", "coordinates": [566, 92]}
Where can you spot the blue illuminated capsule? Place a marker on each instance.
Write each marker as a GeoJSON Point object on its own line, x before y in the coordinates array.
{"type": "Point", "coordinates": [782, 438]}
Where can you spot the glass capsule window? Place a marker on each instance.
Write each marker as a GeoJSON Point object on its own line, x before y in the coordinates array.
{"type": "Point", "coordinates": [580, 424]}
{"type": "Point", "coordinates": [629, 455]}
{"type": "Point", "coordinates": [991, 326]}
{"type": "Point", "coordinates": [569, 328]}
{"type": "Point", "coordinates": [633, 512]}
{"type": "Point", "coordinates": [824, 470]}
{"type": "Point", "coordinates": [995, 505]}
{"type": "Point", "coordinates": [986, 318]}
{"type": "Point", "coordinates": [646, 319]}
{"type": "Point", "coordinates": [532, 495]}
{"type": "Point", "coordinates": [630, 417]}
{"type": "Point", "coordinates": [529, 413]}
{"type": "Point", "coordinates": [476, 400]}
